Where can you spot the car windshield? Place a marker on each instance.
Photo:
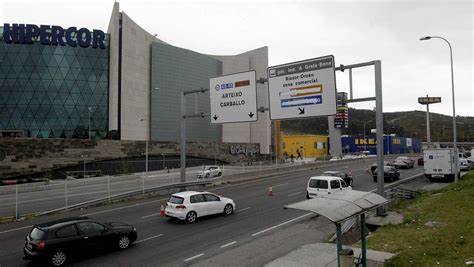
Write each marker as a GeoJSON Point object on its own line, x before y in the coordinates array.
{"type": "Point", "coordinates": [37, 234]}
{"type": "Point", "coordinates": [176, 200]}
{"type": "Point", "coordinates": [388, 168]}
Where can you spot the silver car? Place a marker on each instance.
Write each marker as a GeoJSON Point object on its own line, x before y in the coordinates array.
{"type": "Point", "coordinates": [209, 171]}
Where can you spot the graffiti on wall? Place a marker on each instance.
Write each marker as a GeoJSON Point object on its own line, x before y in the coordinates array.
{"type": "Point", "coordinates": [244, 149]}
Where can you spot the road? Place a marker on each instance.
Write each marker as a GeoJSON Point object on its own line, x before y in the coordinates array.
{"type": "Point", "coordinates": [166, 243]}
{"type": "Point", "coordinates": [39, 197]}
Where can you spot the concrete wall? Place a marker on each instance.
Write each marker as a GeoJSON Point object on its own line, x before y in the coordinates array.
{"type": "Point", "coordinates": [29, 155]}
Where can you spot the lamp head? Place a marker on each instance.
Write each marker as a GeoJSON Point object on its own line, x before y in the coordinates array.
{"type": "Point", "coordinates": [425, 38]}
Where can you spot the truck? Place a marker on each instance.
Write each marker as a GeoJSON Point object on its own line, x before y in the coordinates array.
{"type": "Point", "coordinates": [439, 164]}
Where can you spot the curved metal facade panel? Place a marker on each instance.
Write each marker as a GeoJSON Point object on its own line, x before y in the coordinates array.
{"type": "Point", "coordinates": [175, 70]}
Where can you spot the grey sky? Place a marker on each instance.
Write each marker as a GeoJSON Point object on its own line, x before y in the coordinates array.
{"type": "Point", "coordinates": [352, 31]}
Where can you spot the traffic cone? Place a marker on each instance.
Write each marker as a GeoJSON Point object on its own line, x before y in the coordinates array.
{"type": "Point", "coordinates": [270, 191]}
{"type": "Point", "coordinates": [162, 211]}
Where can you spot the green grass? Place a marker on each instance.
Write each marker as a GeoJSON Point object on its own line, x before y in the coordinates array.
{"type": "Point", "coordinates": [420, 245]}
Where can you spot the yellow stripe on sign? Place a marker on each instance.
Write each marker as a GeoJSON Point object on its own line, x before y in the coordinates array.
{"type": "Point", "coordinates": [308, 90]}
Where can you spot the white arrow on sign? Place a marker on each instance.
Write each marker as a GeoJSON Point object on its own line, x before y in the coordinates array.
{"type": "Point", "coordinates": [234, 98]}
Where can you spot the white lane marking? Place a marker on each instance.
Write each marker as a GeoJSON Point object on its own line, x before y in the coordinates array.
{"type": "Point", "coordinates": [281, 224]}
{"type": "Point", "coordinates": [146, 239]}
{"type": "Point", "coordinates": [279, 185]}
{"type": "Point", "coordinates": [294, 194]}
{"type": "Point", "coordinates": [228, 244]}
{"type": "Point", "coordinates": [151, 215]}
{"type": "Point", "coordinates": [194, 257]}
{"type": "Point", "coordinates": [242, 210]}
{"type": "Point", "coordinates": [16, 229]}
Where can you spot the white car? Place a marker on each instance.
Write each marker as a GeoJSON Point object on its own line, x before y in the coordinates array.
{"type": "Point", "coordinates": [190, 205]}
{"type": "Point", "coordinates": [323, 185]}
{"type": "Point", "coordinates": [209, 171]}
{"type": "Point", "coordinates": [465, 164]}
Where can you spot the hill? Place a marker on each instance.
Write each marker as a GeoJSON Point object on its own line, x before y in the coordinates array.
{"type": "Point", "coordinates": [404, 123]}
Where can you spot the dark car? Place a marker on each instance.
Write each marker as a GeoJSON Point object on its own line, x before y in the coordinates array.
{"type": "Point", "coordinates": [58, 241]}
{"type": "Point", "coordinates": [420, 162]}
{"type": "Point", "coordinates": [346, 177]}
{"type": "Point", "coordinates": [373, 167]}
{"type": "Point", "coordinates": [390, 174]}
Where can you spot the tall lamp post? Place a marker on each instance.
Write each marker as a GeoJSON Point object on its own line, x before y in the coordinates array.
{"type": "Point", "coordinates": [146, 164]}
{"type": "Point", "coordinates": [90, 109]}
{"type": "Point", "coordinates": [455, 146]}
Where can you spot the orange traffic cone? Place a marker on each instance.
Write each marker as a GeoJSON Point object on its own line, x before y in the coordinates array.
{"type": "Point", "coordinates": [162, 211]}
{"type": "Point", "coordinates": [270, 191]}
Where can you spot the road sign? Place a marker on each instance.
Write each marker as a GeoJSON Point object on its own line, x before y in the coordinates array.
{"type": "Point", "coordinates": [429, 100]}
{"type": "Point", "coordinates": [234, 98]}
{"type": "Point", "coordinates": [302, 89]}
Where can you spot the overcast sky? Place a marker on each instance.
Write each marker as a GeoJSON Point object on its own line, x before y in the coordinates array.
{"type": "Point", "coordinates": [352, 31]}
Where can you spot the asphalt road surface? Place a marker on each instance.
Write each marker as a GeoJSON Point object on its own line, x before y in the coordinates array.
{"type": "Point", "coordinates": [162, 242]}
{"type": "Point", "coordinates": [39, 197]}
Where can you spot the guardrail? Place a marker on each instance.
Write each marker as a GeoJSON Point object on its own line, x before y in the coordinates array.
{"type": "Point", "coordinates": [93, 191]}
{"type": "Point", "coordinates": [126, 195]}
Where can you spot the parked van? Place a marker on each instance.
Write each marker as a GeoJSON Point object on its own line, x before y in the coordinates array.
{"type": "Point", "coordinates": [323, 185]}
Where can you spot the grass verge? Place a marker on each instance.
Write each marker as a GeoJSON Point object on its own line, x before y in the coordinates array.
{"type": "Point", "coordinates": [416, 244]}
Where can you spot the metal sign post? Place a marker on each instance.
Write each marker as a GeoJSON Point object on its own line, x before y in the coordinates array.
{"type": "Point", "coordinates": [427, 101]}
{"type": "Point", "coordinates": [183, 128]}
{"type": "Point", "coordinates": [378, 117]}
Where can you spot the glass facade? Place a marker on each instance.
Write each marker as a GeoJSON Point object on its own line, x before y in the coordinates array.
{"type": "Point", "coordinates": [49, 91]}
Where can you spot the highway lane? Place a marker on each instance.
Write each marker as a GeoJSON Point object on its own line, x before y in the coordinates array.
{"type": "Point", "coordinates": [169, 243]}
{"type": "Point", "coordinates": [53, 196]}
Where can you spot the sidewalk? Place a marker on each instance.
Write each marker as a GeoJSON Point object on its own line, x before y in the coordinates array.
{"type": "Point", "coordinates": [324, 254]}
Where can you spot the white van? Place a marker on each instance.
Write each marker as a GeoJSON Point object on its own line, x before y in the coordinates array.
{"type": "Point", "coordinates": [323, 185]}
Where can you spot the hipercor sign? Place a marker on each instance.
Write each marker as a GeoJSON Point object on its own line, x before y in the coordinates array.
{"type": "Point", "coordinates": [52, 35]}
{"type": "Point", "coordinates": [302, 89]}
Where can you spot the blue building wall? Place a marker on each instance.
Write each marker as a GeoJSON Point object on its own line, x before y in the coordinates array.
{"type": "Point", "coordinates": [392, 144]}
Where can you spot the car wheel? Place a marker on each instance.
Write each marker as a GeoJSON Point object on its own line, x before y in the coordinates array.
{"type": "Point", "coordinates": [123, 242]}
{"type": "Point", "coordinates": [228, 209]}
{"type": "Point", "coordinates": [307, 195]}
{"type": "Point", "coordinates": [58, 258]}
{"type": "Point", "coordinates": [191, 217]}
{"type": "Point", "coordinates": [219, 174]}
{"type": "Point", "coordinates": [207, 175]}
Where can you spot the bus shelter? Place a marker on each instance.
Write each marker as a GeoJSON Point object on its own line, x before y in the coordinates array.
{"type": "Point", "coordinates": [338, 207]}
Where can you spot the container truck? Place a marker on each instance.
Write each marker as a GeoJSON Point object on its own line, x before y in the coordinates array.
{"type": "Point", "coordinates": [439, 164]}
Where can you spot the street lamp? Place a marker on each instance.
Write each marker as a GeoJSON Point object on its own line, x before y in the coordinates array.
{"type": "Point", "coordinates": [146, 165]}
{"type": "Point", "coordinates": [84, 160]}
{"type": "Point", "coordinates": [454, 104]}
{"type": "Point", "coordinates": [90, 109]}
{"type": "Point", "coordinates": [163, 155]}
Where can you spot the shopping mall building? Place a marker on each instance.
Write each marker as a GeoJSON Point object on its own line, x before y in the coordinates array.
{"type": "Point", "coordinates": [125, 83]}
